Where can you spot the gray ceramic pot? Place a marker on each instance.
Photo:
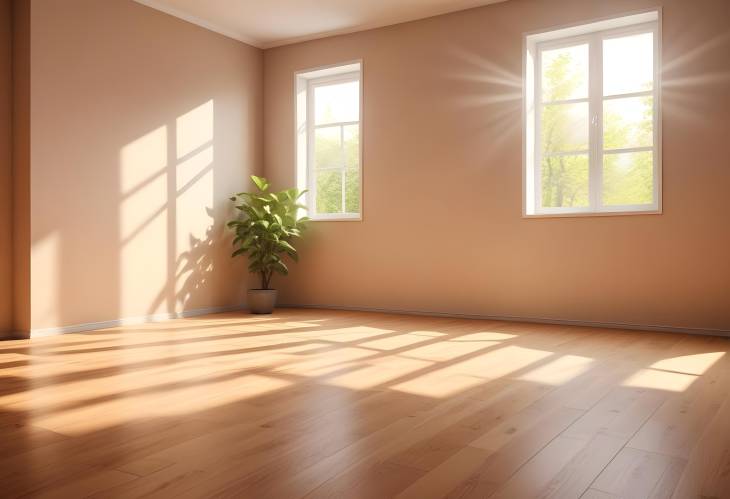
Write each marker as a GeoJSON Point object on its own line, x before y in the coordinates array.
{"type": "Point", "coordinates": [261, 301]}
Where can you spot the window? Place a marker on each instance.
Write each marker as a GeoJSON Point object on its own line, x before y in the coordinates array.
{"type": "Point", "coordinates": [329, 141]}
{"type": "Point", "coordinates": [592, 138]}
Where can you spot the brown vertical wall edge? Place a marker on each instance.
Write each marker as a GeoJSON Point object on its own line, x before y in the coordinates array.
{"type": "Point", "coordinates": [6, 167]}
{"type": "Point", "coordinates": [21, 167]}
{"type": "Point", "coordinates": [15, 167]}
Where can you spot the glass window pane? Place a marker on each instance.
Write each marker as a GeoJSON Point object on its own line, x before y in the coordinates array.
{"type": "Point", "coordinates": [352, 163]}
{"type": "Point", "coordinates": [628, 122]}
{"type": "Point", "coordinates": [337, 103]}
{"type": "Point", "coordinates": [352, 190]}
{"type": "Point", "coordinates": [565, 73]}
{"type": "Point", "coordinates": [628, 64]}
{"type": "Point", "coordinates": [564, 127]}
{"type": "Point", "coordinates": [327, 148]}
{"type": "Point", "coordinates": [564, 181]}
{"type": "Point", "coordinates": [352, 145]}
{"type": "Point", "coordinates": [329, 191]}
{"type": "Point", "coordinates": [628, 178]}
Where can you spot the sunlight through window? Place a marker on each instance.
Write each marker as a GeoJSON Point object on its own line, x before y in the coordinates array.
{"type": "Point", "coordinates": [329, 143]}
{"type": "Point", "coordinates": [559, 371]}
{"type": "Point", "coordinates": [592, 118]}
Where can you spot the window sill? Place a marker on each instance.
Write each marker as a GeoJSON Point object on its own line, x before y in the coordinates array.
{"type": "Point", "coordinates": [592, 214]}
{"type": "Point", "coordinates": [338, 218]}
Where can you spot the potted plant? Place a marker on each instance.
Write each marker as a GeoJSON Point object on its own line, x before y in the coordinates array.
{"type": "Point", "coordinates": [265, 230]}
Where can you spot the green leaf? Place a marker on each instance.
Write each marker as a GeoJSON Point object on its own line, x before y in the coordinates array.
{"type": "Point", "coordinates": [287, 247]}
{"type": "Point", "coordinates": [281, 268]}
{"type": "Point", "coordinates": [239, 251]}
{"type": "Point", "coordinates": [260, 182]}
{"type": "Point", "coordinates": [250, 239]}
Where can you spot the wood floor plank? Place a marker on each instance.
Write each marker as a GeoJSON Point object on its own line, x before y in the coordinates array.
{"type": "Point", "coordinates": [317, 403]}
{"type": "Point", "coordinates": [707, 473]}
{"type": "Point", "coordinates": [636, 474]}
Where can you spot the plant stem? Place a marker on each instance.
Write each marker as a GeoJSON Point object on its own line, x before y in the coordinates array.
{"type": "Point", "coordinates": [266, 279]}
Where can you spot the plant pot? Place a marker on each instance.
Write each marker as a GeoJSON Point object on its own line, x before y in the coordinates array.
{"type": "Point", "coordinates": [261, 301]}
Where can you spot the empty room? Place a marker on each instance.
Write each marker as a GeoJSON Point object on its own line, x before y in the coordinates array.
{"type": "Point", "coordinates": [365, 249]}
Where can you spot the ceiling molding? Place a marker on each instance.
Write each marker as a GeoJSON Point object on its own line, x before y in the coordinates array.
{"type": "Point", "coordinates": [153, 4]}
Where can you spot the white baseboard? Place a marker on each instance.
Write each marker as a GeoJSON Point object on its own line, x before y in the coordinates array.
{"type": "Point", "coordinates": [536, 320]}
{"type": "Point", "coordinates": [130, 321]}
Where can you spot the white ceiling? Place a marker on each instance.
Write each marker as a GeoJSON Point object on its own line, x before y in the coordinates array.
{"type": "Point", "coordinates": [268, 23]}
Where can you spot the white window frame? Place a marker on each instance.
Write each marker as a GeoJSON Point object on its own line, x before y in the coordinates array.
{"type": "Point", "coordinates": [305, 83]}
{"type": "Point", "coordinates": [593, 34]}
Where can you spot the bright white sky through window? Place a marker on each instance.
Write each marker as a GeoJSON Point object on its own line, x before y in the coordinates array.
{"type": "Point", "coordinates": [337, 103]}
{"type": "Point", "coordinates": [628, 64]}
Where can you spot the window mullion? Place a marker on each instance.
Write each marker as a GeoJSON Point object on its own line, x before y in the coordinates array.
{"type": "Point", "coordinates": [342, 159]}
{"type": "Point", "coordinates": [595, 110]}
{"type": "Point", "coordinates": [311, 170]}
{"type": "Point", "coordinates": [537, 170]}
{"type": "Point", "coordinates": [336, 123]}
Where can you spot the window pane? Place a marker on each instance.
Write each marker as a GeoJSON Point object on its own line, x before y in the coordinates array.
{"type": "Point", "coordinates": [327, 148]}
{"type": "Point", "coordinates": [628, 178]}
{"type": "Point", "coordinates": [564, 127]}
{"type": "Point", "coordinates": [565, 181]}
{"type": "Point", "coordinates": [352, 145]}
{"type": "Point", "coordinates": [628, 64]}
{"type": "Point", "coordinates": [565, 73]}
{"type": "Point", "coordinates": [352, 173]}
{"type": "Point", "coordinates": [329, 191]}
{"type": "Point", "coordinates": [336, 103]}
{"type": "Point", "coordinates": [352, 190]}
{"type": "Point", "coordinates": [628, 122]}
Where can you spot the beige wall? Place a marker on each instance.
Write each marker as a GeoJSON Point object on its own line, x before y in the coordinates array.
{"type": "Point", "coordinates": [6, 157]}
{"type": "Point", "coordinates": [442, 227]}
{"type": "Point", "coordinates": [142, 125]}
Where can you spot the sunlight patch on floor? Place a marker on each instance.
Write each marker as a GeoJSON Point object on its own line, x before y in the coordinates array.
{"type": "Point", "coordinates": [371, 376]}
{"type": "Point", "coordinates": [484, 336]}
{"type": "Point", "coordinates": [324, 364]}
{"type": "Point", "coordinates": [660, 380]}
{"type": "Point", "coordinates": [124, 409]}
{"type": "Point", "coordinates": [394, 342]}
{"type": "Point", "coordinates": [344, 335]}
{"type": "Point", "coordinates": [689, 364]}
{"type": "Point", "coordinates": [499, 362]}
{"type": "Point", "coordinates": [445, 351]}
{"type": "Point", "coordinates": [559, 371]}
{"type": "Point", "coordinates": [438, 385]}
